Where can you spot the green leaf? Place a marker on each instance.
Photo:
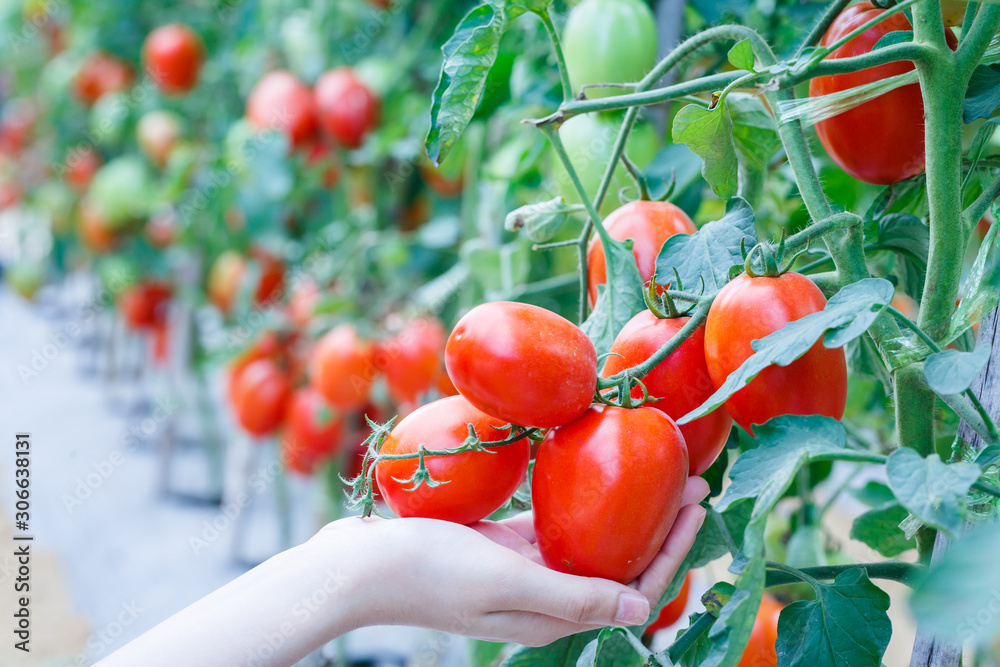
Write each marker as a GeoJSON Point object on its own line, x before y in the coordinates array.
{"type": "Point", "coordinates": [846, 624]}
{"type": "Point", "coordinates": [879, 529]}
{"type": "Point", "coordinates": [695, 655]}
{"type": "Point", "coordinates": [711, 543]}
{"type": "Point", "coordinates": [874, 494]}
{"type": "Point", "coordinates": [483, 653]}
{"type": "Point", "coordinates": [754, 131]}
{"type": "Point", "coordinates": [561, 653]}
{"type": "Point", "coordinates": [468, 57]}
{"type": "Point", "coordinates": [908, 237]}
{"type": "Point", "coordinates": [981, 290]}
{"type": "Point", "coordinates": [959, 598]}
{"type": "Point", "coordinates": [847, 315]}
{"type": "Point", "coordinates": [932, 490]}
{"type": "Point", "coordinates": [709, 133]}
{"type": "Point", "coordinates": [893, 38]}
{"type": "Point", "coordinates": [618, 301]}
{"type": "Point", "coordinates": [952, 372]}
{"type": "Point", "coordinates": [541, 222]}
{"type": "Point", "coordinates": [786, 444]}
{"type": "Point", "coordinates": [983, 93]}
{"type": "Point", "coordinates": [805, 548]}
{"type": "Point", "coordinates": [497, 268]}
{"type": "Point", "coordinates": [741, 55]}
{"type": "Point", "coordinates": [989, 457]}
{"type": "Point", "coordinates": [614, 647]}
{"type": "Point", "coordinates": [708, 254]}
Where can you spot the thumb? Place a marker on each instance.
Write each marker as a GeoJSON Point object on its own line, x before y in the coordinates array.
{"type": "Point", "coordinates": [583, 600]}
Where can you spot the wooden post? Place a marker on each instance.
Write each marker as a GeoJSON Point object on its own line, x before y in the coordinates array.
{"type": "Point", "coordinates": [928, 651]}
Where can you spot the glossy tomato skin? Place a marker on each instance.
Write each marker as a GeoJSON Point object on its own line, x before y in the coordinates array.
{"type": "Point", "coordinates": [609, 41]}
{"type": "Point", "coordinates": [262, 392]}
{"type": "Point", "coordinates": [342, 367]}
{"type": "Point", "coordinates": [760, 650]}
{"type": "Point", "coordinates": [523, 364]}
{"type": "Point", "coordinates": [606, 489]}
{"type": "Point", "coordinates": [281, 102]}
{"type": "Point", "coordinates": [101, 74]}
{"type": "Point", "coordinates": [313, 431]}
{"type": "Point", "coordinates": [478, 482]}
{"type": "Point", "coordinates": [144, 304]}
{"type": "Point", "coordinates": [347, 108]}
{"type": "Point", "coordinates": [648, 224]}
{"type": "Point", "coordinates": [681, 382]}
{"type": "Point", "coordinates": [94, 229]}
{"type": "Point", "coordinates": [673, 610]}
{"type": "Point", "coordinates": [882, 140]}
{"type": "Point", "coordinates": [412, 359]}
{"type": "Point", "coordinates": [747, 309]}
{"type": "Point", "coordinates": [173, 55]}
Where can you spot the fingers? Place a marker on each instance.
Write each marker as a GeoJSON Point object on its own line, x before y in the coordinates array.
{"type": "Point", "coordinates": [579, 600]}
{"type": "Point", "coordinates": [695, 491]}
{"type": "Point", "coordinates": [505, 536]}
{"type": "Point", "coordinates": [655, 579]}
{"type": "Point", "coordinates": [523, 524]}
{"type": "Point", "coordinates": [527, 628]}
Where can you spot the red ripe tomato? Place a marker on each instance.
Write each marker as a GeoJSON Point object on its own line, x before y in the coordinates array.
{"type": "Point", "coordinates": [272, 276]}
{"type": "Point", "coordinates": [144, 304]}
{"type": "Point", "coordinates": [523, 364]}
{"type": "Point", "coordinates": [269, 346]}
{"type": "Point", "coordinates": [281, 102]}
{"type": "Point", "coordinates": [161, 342]}
{"type": "Point", "coordinates": [760, 650]}
{"type": "Point", "coordinates": [342, 367]}
{"type": "Point", "coordinates": [313, 431]}
{"type": "Point", "coordinates": [261, 394]}
{"type": "Point", "coordinates": [681, 382]}
{"type": "Point", "coordinates": [648, 224]}
{"type": "Point", "coordinates": [348, 109]}
{"type": "Point", "coordinates": [478, 483]}
{"type": "Point", "coordinates": [673, 610]}
{"type": "Point", "coordinates": [747, 309]}
{"type": "Point", "coordinates": [101, 74]}
{"type": "Point", "coordinates": [173, 55]}
{"type": "Point", "coordinates": [94, 230]}
{"type": "Point", "coordinates": [412, 359]}
{"type": "Point", "coordinates": [443, 383]}
{"type": "Point", "coordinates": [81, 165]}
{"type": "Point", "coordinates": [606, 489]}
{"type": "Point", "coordinates": [303, 301]}
{"type": "Point", "coordinates": [882, 140]}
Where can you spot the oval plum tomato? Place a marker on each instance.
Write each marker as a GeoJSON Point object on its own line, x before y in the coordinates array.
{"type": "Point", "coordinates": [224, 279]}
{"type": "Point", "coordinates": [143, 304]}
{"type": "Point", "coordinates": [747, 309]}
{"type": "Point", "coordinates": [443, 383]}
{"type": "Point", "coordinates": [882, 140]}
{"type": "Point", "coordinates": [94, 229]}
{"type": "Point", "coordinates": [272, 275]}
{"type": "Point", "coordinates": [81, 165]}
{"type": "Point", "coordinates": [760, 650]}
{"type": "Point", "coordinates": [347, 108]}
{"type": "Point", "coordinates": [281, 102]}
{"type": "Point", "coordinates": [609, 41]}
{"type": "Point", "coordinates": [649, 224]}
{"type": "Point", "coordinates": [313, 431]}
{"type": "Point", "coordinates": [342, 367]}
{"type": "Point", "coordinates": [681, 382]}
{"type": "Point", "coordinates": [173, 55]}
{"type": "Point", "coordinates": [101, 74]}
{"type": "Point", "coordinates": [478, 483]}
{"type": "Point", "coordinates": [523, 364]}
{"type": "Point", "coordinates": [261, 394]}
{"type": "Point", "coordinates": [673, 610]}
{"type": "Point", "coordinates": [157, 133]}
{"type": "Point", "coordinates": [413, 359]}
{"type": "Point", "coordinates": [591, 474]}
{"type": "Point", "coordinates": [270, 345]}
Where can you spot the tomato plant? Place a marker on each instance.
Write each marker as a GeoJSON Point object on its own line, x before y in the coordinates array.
{"type": "Point", "coordinates": [522, 364]}
{"type": "Point", "coordinates": [261, 393]}
{"type": "Point", "coordinates": [100, 75]}
{"type": "Point", "coordinates": [413, 359]}
{"type": "Point", "coordinates": [157, 133]}
{"type": "Point", "coordinates": [760, 650]}
{"type": "Point", "coordinates": [347, 108]}
{"type": "Point", "coordinates": [472, 485]}
{"type": "Point", "coordinates": [673, 610]}
{"type": "Point", "coordinates": [609, 463]}
{"type": "Point", "coordinates": [342, 367]}
{"type": "Point", "coordinates": [281, 102]}
{"type": "Point", "coordinates": [144, 304]}
{"type": "Point", "coordinates": [313, 431]}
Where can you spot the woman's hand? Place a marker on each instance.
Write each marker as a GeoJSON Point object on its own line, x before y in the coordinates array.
{"type": "Point", "coordinates": [487, 580]}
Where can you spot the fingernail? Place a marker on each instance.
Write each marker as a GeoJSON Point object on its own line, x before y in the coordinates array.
{"type": "Point", "coordinates": [701, 521]}
{"type": "Point", "coordinates": [633, 609]}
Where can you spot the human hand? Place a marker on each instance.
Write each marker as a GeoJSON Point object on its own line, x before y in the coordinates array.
{"type": "Point", "coordinates": [487, 580]}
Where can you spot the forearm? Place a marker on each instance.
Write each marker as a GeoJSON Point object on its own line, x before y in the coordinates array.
{"type": "Point", "coordinates": [275, 614]}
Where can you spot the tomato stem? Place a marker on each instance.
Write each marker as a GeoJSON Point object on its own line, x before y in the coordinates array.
{"type": "Point", "coordinates": [779, 574]}
{"type": "Point", "coordinates": [688, 639]}
{"type": "Point", "coordinates": [546, 19]}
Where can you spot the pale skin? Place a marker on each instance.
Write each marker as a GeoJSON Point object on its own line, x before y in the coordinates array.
{"type": "Point", "coordinates": [486, 581]}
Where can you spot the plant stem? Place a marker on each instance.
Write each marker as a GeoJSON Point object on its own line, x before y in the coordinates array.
{"type": "Point", "coordinates": [818, 30]}
{"type": "Point", "coordinates": [690, 636]}
{"type": "Point", "coordinates": [905, 573]}
{"type": "Point", "coordinates": [978, 208]}
{"type": "Point", "coordinates": [550, 27]}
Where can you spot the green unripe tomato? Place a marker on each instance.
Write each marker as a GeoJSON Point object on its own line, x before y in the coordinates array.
{"type": "Point", "coordinates": [122, 190]}
{"type": "Point", "coordinates": [26, 276]}
{"type": "Point", "coordinates": [589, 140]}
{"type": "Point", "coordinates": [56, 200]}
{"type": "Point", "coordinates": [108, 119]}
{"type": "Point", "coordinates": [609, 41]}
